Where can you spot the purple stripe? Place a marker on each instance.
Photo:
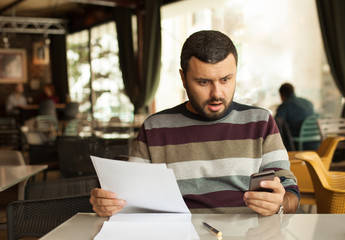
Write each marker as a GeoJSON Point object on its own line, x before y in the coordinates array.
{"type": "Point", "coordinates": [141, 135]}
{"type": "Point", "coordinates": [275, 169]}
{"type": "Point", "coordinates": [215, 199]}
{"type": "Point", "coordinates": [293, 187]}
{"type": "Point", "coordinates": [217, 132]}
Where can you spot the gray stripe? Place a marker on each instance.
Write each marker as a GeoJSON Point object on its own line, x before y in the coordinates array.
{"type": "Point", "coordinates": [215, 168]}
{"type": "Point", "coordinates": [179, 120]}
{"type": "Point", "coordinates": [291, 179]}
{"type": "Point", "coordinates": [278, 164]}
{"type": "Point", "coordinates": [207, 185]}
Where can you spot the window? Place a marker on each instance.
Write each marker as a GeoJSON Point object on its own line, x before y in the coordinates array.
{"type": "Point", "coordinates": [95, 79]}
{"type": "Point", "coordinates": [278, 41]}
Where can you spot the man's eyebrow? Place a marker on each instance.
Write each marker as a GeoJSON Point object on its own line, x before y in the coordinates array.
{"type": "Point", "coordinates": [202, 79]}
{"type": "Point", "coordinates": [208, 79]}
{"type": "Point", "coordinates": [228, 76]}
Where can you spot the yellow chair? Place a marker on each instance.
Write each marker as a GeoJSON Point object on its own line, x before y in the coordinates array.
{"type": "Point", "coordinates": [325, 151]}
{"type": "Point", "coordinates": [304, 181]}
{"type": "Point", "coordinates": [329, 186]}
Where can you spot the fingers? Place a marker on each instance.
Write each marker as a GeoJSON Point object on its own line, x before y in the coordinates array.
{"type": "Point", "coordinates": [265, 208]}
{"type": "Point", "coordinates": [97, 192]}
{"type": "Point", "coordinates": [266, 203]}
{"type": "Point", "coordinates": [105, 203]}
{"type": "Point", "coordinates": [275, 185]}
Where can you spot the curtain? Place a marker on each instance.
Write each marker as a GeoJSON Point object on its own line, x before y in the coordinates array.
{"type": "Point", "coordinates": [140, 86]}
{"type": "Point", "coordinates": [332, 23]}
{"type": "Point", "coordinates": [128, 64]}
{"type": "Point", "coordinates": [58, 63]}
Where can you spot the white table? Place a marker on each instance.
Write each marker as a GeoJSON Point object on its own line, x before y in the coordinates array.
{"type": "Point", "coordinates": [13, 175]}
{"type": "Point", "coordinates": [85, 226]}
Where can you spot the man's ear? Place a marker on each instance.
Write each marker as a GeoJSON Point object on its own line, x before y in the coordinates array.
{"type": "Point", "coordinates": [183, 78]}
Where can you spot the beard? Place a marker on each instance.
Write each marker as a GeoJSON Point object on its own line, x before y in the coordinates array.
{"type": "Point", "coordinates": [200, 108]}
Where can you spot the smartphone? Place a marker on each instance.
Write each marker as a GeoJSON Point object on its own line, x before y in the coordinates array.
{"type": "Point", "coordinates": [256, 178]}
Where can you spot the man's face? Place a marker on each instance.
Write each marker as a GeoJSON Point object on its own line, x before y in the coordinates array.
{"type": "Point", "coordinates": [210, 86]}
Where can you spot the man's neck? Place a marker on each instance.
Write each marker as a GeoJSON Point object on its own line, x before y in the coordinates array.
{"type": "Point", "coordinates": [190, 107]}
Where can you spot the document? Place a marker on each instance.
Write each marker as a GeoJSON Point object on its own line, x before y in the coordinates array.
{"type": "Point", "coordinates": [152, 226]}
{"type": "Point", "coordinates": [155, 208]}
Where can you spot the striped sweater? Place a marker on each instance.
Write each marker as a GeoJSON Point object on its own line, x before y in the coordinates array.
{"type": "Point", "coordinates": [213, 160]}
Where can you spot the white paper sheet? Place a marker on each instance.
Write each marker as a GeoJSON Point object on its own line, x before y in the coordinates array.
{"type": "Point", "coordinates": [145, 187]}
{"type": "Point", "coordinates": [170, 226]}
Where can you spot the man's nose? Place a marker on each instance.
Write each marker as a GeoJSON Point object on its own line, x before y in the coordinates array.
{"type": "Point", "coordinates": [216, 91]}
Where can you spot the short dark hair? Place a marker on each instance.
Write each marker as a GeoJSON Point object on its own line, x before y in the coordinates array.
{"type": "Point", "coordinates": [208, 46]}
{"type": "Point", "coordinates": [286, 90]}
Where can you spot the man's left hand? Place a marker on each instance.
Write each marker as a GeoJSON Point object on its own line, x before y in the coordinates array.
{"type": "Point", "coordinates": [266, 203]}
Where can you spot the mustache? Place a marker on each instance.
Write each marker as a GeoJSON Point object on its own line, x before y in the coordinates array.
{"type": "Point", "coordinates": [215, 100]}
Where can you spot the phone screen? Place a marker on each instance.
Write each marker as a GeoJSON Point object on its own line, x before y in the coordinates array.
{"type": "Point", "coordinates": [256, 178]}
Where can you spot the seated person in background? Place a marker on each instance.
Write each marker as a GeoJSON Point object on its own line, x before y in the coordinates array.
{"type": "Point", "coordinates": [294, 110]}
{"type": "Point", "coordinates": [213, 143]}
{"type": "Point", "coordinates": [16, 100]}
{"type": "Point", "coordinates": [49, 93]}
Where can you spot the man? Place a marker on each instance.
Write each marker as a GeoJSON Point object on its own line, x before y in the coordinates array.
{"type": "Point", "coordinates": [16, 100]}
{"type": "Point", "coordinates": [294, 110]}
{"type": "Point", "coordinates": [212, 143]}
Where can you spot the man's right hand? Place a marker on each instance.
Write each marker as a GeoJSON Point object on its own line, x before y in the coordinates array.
{"type": "Point", "coordinates": [105, 203]}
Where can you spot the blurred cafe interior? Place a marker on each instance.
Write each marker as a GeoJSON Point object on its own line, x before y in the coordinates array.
{"type": "Point", "coordinates": [91, 71]}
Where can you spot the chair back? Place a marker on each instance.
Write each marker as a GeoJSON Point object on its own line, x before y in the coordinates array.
{"type": "Point", "coordinates": [285, 133]}
{"type": "Point", "coordinates": [10, 134]}
{"type": "Point", "coordinates": [60, 187]}
{"type": "Point", "coordinates": [300, 169]}
{"type": "Point", "coordinates": [331, 126]}
{"type": "Point", "coordinates": [304, 181]}
{"type": "Point", "coordinates": [329, 194]}
{"type": "Point", "coordinates": [11, 157]}
{"type": "Point", "coordinates": [74, 155]}
{"type": "Point", "coordinates": [327, 149]}
{"type": "Point", "coordinates": [42, 150]}
{"type": "Point", "coordinates": [35, 218]}
{"type": "Point", "coordinates": [309, 131]}
{"type": "Point", "coordinates": [71, 110]}
{"type": "Point", "coordinates": [47, 107]}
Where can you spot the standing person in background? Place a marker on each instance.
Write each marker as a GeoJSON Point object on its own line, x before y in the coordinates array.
{"type": "Point", "coordinates": [16, 100]}
{"type": "Point", "coordinates": [294, 110]}
{"type": "Point", "coordinates": [49, 93]}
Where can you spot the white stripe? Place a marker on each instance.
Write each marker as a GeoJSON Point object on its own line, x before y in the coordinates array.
{"type": "Point", "coordinates": [215, 168]}
{"type": "Point", "coordinates": [277, 155]}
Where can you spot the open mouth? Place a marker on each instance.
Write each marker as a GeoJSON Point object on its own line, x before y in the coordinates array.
{"type": "Point", "coordinates": [214, 107]}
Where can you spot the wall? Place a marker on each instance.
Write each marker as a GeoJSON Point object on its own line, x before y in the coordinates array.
{"type": "Point", "coordinates": [39, 73]}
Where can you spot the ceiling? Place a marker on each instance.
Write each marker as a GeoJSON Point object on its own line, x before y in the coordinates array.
{"type": "Point", "coordinates": [36, 8]}
{"type": "Point", "coordinates": [23, 15]}
{"type": "Point", "coordinates": [59, 8]}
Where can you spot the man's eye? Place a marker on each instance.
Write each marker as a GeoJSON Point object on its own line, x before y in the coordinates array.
{"type": "Point", "coordinates": [225, 80]}
{"type": "Point", "coordinates": [203, 82]}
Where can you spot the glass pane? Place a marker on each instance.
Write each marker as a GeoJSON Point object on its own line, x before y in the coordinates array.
{"type": "Point", "coordinates": [79, 70]}
{"type": "Point", "coordinates": [109, 98]}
